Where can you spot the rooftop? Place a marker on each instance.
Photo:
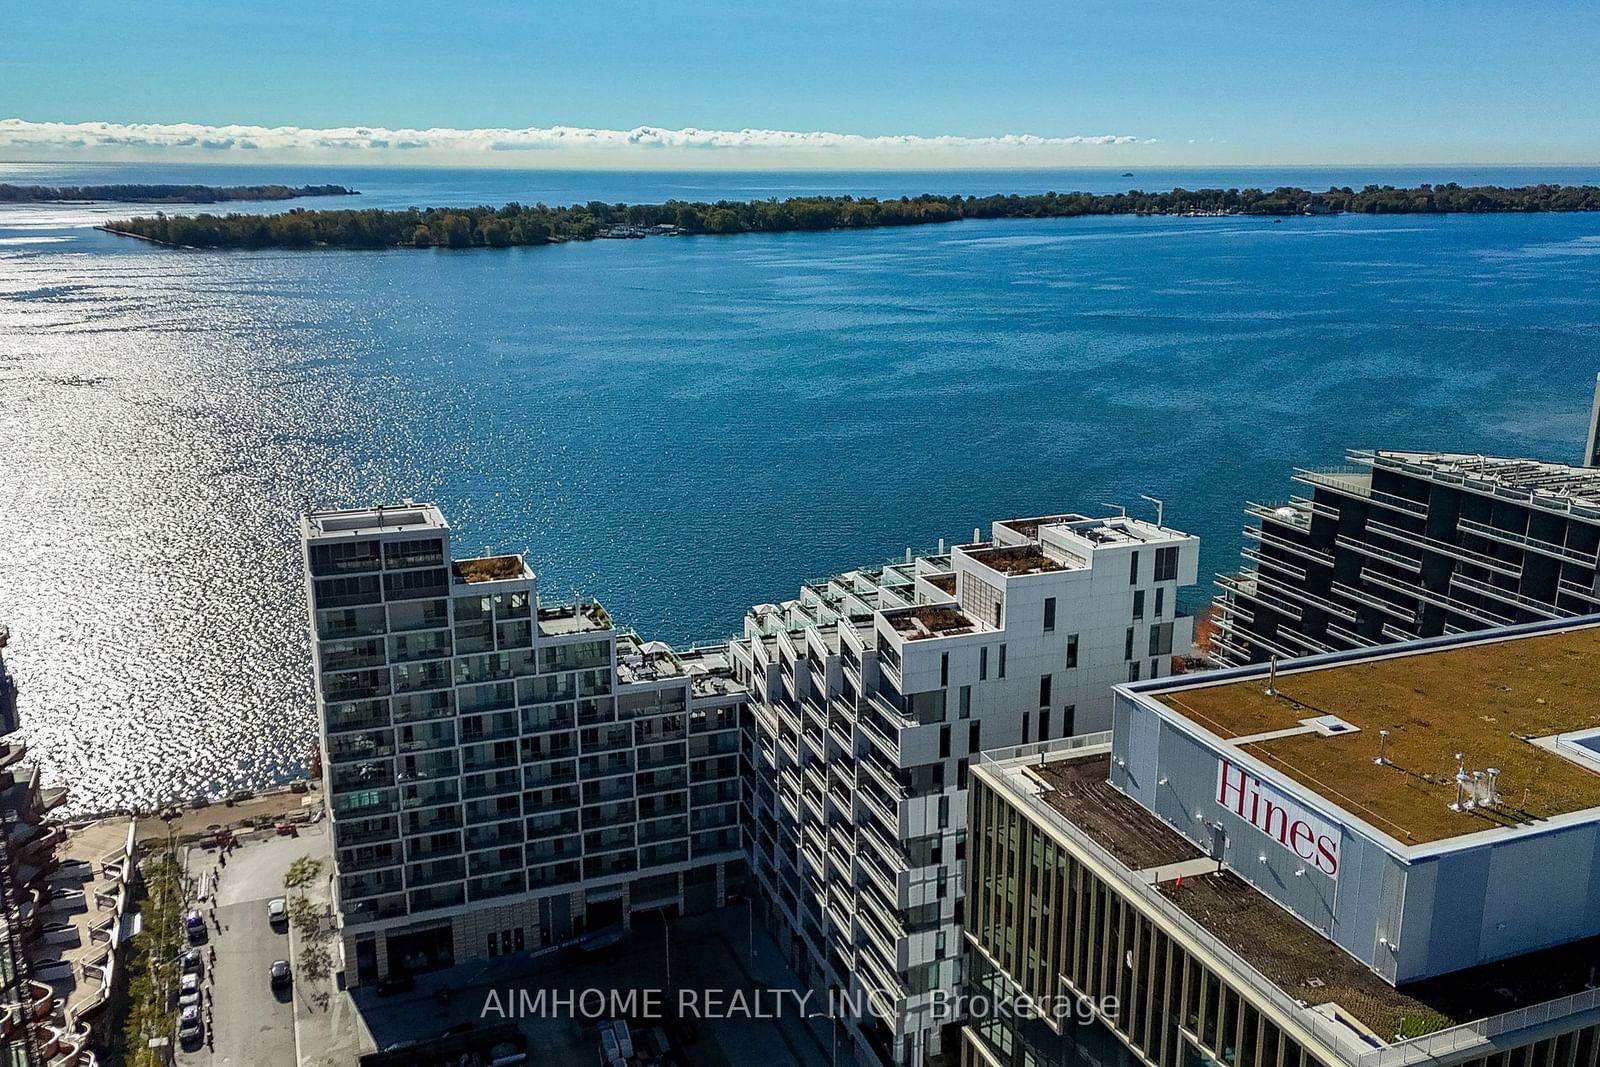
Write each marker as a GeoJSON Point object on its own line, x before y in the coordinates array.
{"type": "Point", "coordinates": [1029, 528]}
{"type": "Point", "coordinates": [490, 569]}
{"type": "Point", "coordinates": [711, 667]}
{"type": "Point", "coordinates": [1488, 699]}
{"type": "Point", "coordinates": [397, 518]}
{"type": "Point", "coordinates": [930, 620]}
{"type": "Point", "coordinates": [1291, 955]}
{"type": "Point", "coordinates": [645, 661]}
{"type": "Point", "coordinates": [566, 619]}
{"type": "Point", "coordinates": [1016, 560]}
{"type": "Point", "coordinates": [1578, 485]}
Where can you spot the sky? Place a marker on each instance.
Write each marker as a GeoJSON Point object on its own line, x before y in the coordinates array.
{"type": "Point", "coordinates": [706, 84]}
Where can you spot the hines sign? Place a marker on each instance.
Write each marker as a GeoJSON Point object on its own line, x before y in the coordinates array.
{"type": "Point", "coordinates": [1286, 822]}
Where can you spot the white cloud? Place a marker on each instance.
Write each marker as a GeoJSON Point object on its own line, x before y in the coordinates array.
{"type": "Point", "coordinates": [644, 145]}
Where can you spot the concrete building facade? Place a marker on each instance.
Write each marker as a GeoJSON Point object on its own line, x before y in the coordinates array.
{"type": "Point", "coordinates": [871, 695]}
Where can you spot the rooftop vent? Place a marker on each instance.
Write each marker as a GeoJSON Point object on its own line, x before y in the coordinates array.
{"type": "Point", "coordinates": [1330, 725]}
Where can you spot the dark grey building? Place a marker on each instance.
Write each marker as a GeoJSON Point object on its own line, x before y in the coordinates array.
{"type": "Point", "coordinates": [1401, 545]}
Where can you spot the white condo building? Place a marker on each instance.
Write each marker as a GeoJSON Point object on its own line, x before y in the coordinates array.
{"type": "Point", "coordinates": [504, 774]}
{"type": "Point", "coordinates": [870, 697]}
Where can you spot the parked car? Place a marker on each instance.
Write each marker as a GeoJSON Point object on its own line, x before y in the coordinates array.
{"type": "Point", "coordinates": [191, 1031]}
{"type": "Point", "coordinates": [396, 983]}
{"type": "Point", "coordinates": [195, 927]}
{"type": "Point", "coordinates": [280, 974]}
{"type": "Point", "coordinates": [278, 911]}
{"type": "Point", "coordinates": [189, 990]}
{"type": "Point", "coordinates": [192, 962]}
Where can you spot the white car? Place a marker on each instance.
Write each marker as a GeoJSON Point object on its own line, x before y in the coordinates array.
{"type": "Point", "coordinates": [189, 990]}
{"type": "Point", "coordinates": [190, 1029]}
{"type": "Point", "coordinates": [277, 911]}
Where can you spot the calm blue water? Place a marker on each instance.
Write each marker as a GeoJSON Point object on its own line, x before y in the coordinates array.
{"type": "Point", "coordinates": [687, 427]}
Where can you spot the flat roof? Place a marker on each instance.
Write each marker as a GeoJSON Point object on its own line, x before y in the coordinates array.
{"type": "Point", "coordinates": [1296, 958]}
{"type": "Point", "coordinates": [1488, 699]}
{"type": "Point", "coordinates": [391, 518]}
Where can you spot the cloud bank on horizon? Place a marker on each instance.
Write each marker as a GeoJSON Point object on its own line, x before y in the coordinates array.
{"type": "Point", "coordinates": [643, 145]}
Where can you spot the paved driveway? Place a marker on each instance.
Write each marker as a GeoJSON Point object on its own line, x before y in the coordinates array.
{"type": "Point", "coordinates": [252, 1024]}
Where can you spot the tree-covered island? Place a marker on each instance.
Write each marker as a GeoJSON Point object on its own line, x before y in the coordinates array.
{"type": "Point", "coordinates": [163, 194]}
{"type": "Point", "coordinates": [518, 224]}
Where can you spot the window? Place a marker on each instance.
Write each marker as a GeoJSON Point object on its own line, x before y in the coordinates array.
{"type": "Point", "coordinates": [1133, 569]}
{"type": "Point", "coordinates": [944, 742]}
{"type": "Point", "coordinates": [1049, 614]}
{"type": "Point", "coordinates": [1044, 725]}
{"type": "Point", "coordinates": [1069, 719]}
{"type": "Point", "coordinates": [1027, 724]}
{"type": "Point", "coordinates": [1133, 671]}
{"type": "Point", "coordinates": [1002, 671]}
{"type": "Point", "coordinates": [974, 732]}
{"type": "Point", "coordinates": [983, 663]}
{"type": "Point", "coordinates": [1161, 639]}
{"type": "Point", "coordinates": [961, 773]}
{"type": "Point", "coordinates": [1161, 596]}
{"type": "Point", "coordinates": [944, 812]}
{"type": "Point", "coordinates": [1127, 645]}
{"type": "Point", "coordinates": [1166, 564]}
{"type": "Point", "coordinates": [1072, 651]}
{"type": "Point", "coordinates": [1044, 691]}
{"type": "Point", "coordinates": [1138, 603]}
{"type": "Point", "coordinates": [966, 702]}
{"type": "Point", "coordinates": [944, 669]}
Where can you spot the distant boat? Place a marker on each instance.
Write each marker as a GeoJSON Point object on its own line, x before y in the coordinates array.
{"type": "Point", "coordinates": [1127, 174]}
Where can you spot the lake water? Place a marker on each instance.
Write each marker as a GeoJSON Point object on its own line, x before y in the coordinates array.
{"type": "Point", "coordinates": [686, 427]}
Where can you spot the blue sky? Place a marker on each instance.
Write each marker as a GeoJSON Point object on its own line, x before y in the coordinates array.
{"type": "Point", "coordinates": [1244, 82]}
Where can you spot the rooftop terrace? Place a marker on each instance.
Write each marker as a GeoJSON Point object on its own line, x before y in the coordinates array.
{"type": "Point", "coordinates": [645, 661]}
{"type": "Point", "coordinates": [566, 619]}
{"type": "Point", "coordinates": [490, 569]}
{"type": "Point", "coordinates": [1016, 560]}
{"type": "Point", "coordinates": [1487, 699]}
{"type": "Point", "coordinates": [930, 620]}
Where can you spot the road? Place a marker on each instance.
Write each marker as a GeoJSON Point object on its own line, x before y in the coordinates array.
{"type": "Point", "coordinates": [252, 1024]}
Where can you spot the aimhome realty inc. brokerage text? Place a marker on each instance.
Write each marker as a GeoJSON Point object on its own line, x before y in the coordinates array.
{"type": "Point", "coordinates": [655, 1004]}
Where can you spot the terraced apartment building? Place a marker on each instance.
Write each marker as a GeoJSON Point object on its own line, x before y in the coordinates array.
{"type": "Point", "coordinates": [872, 694]}
{"type": "Point", "coordinates": [1370, 859]}
{"type": "Point", "coordinates": [1401, 545]}
{"type": "Point", "coordinates": [504, 774]}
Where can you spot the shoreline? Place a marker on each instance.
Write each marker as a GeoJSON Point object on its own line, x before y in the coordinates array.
{"type": "Point", "coordinates": [515, 224]}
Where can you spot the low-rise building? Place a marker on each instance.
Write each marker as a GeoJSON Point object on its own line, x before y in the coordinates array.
{"type": "Point", "coordinates": [1374, 859]}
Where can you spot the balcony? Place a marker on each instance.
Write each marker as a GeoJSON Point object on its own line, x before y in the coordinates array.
{"type": "Point", "coordinates": [1294, 548]}
{"type": "Point", "coordinates": [1266, 585]}
{"type": "Point", "coordinates": [1261, 559]}
{"type": "Point", "coordinates": [1357, 485]}
{"type": "Point", "coordinates": [1445, 548]}
{"type": "Point", "coordinates": [1506, 596]}
{"type": "Point", "coordinates": [878, 736]}
{"type": "Point", "coordinates": [1532, 544]}
{"type": "Point", "coordinates": [1250, 586]}
{"type": "Point", "coordinates": [1388, 607]}
{"type": "Point", "coordinates": [1383, 555]}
